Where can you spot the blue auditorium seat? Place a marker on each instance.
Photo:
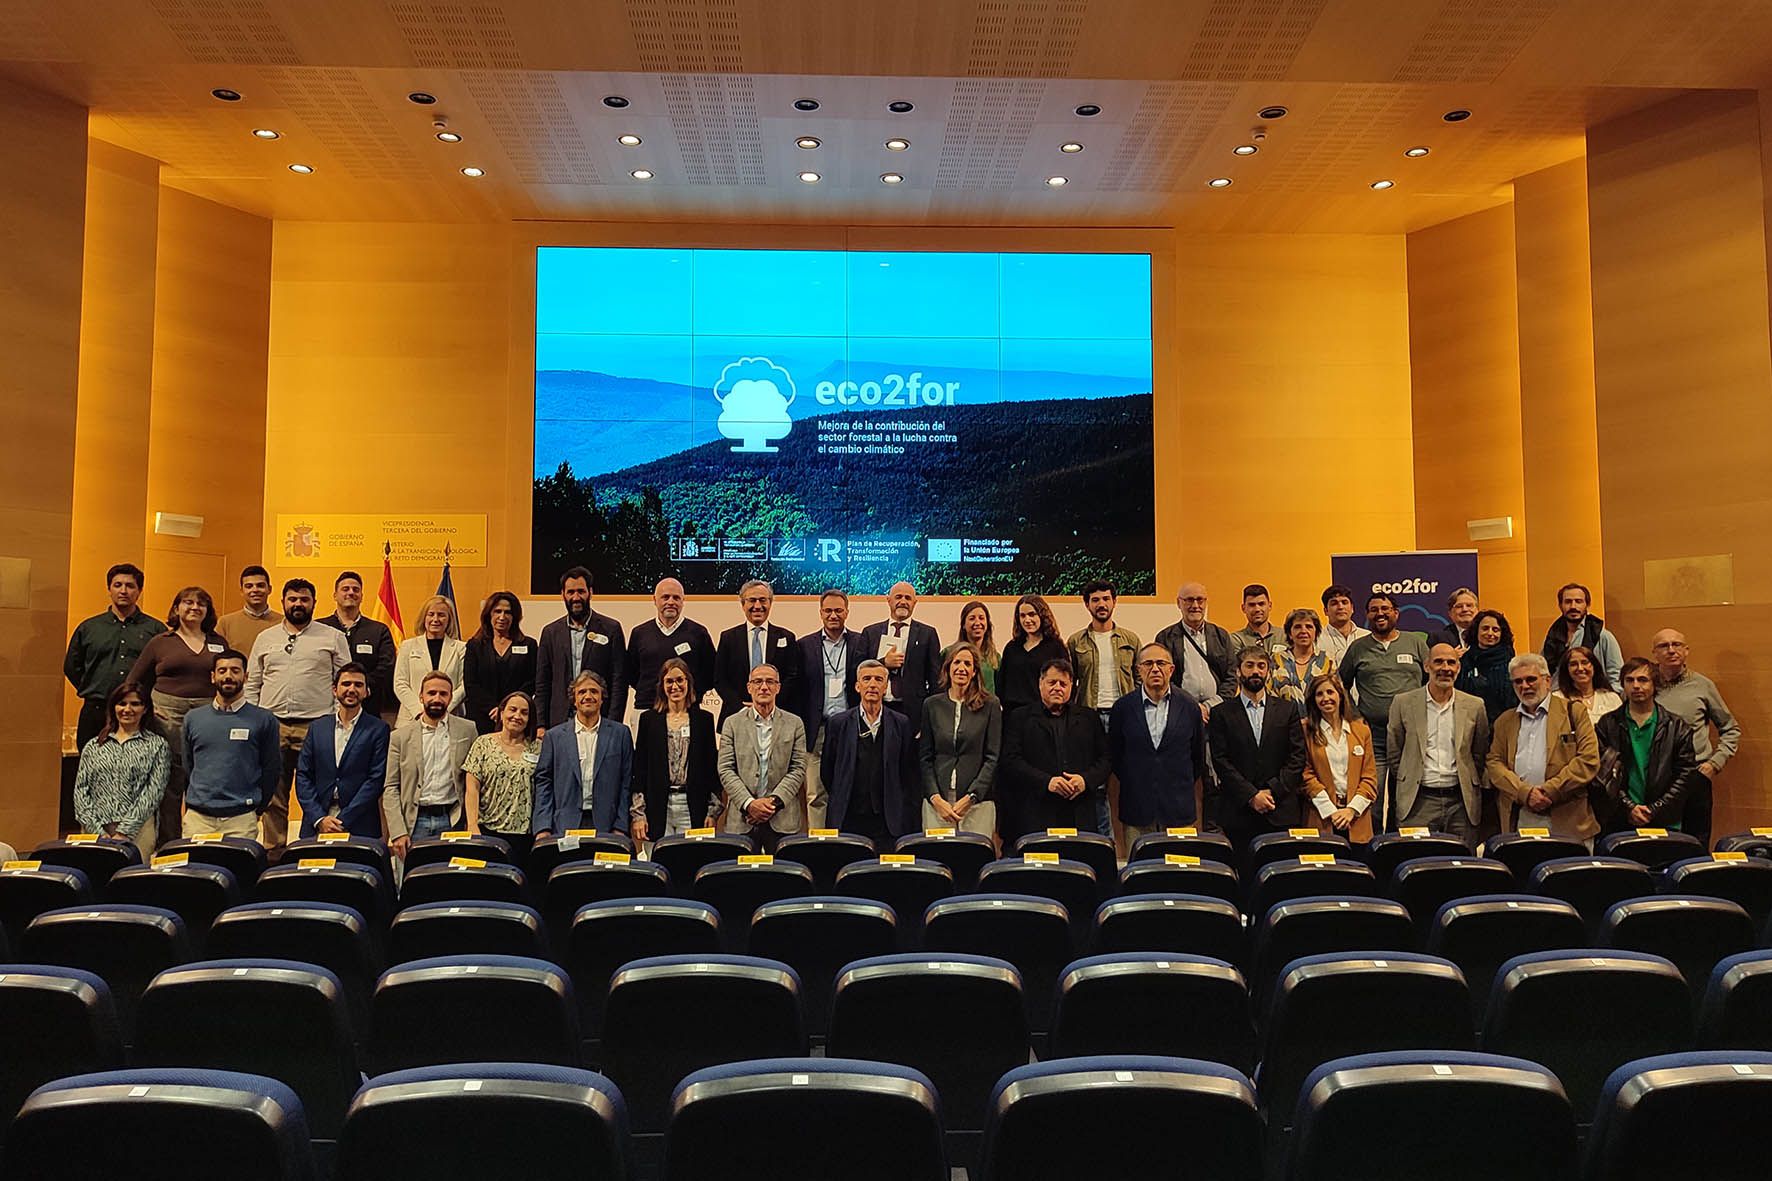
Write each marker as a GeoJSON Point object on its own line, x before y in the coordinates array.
{"type": "Point", "coordinates": [606, 935]}
{"type": "Point", "coordinates": [27, 893]}
{"type": "Point", "coordinates": [1736, 1013]}
{"type": "Point", "coordinates": [1676, 1117]}
{"type": "Point", "coordinates": [54, 1021]}
{"type": "Point", "coordinates": [684, 856]}
{"type": "Point", "coordinates": [473, 1008]}
{"type": "Point", "coordinates": [445, 881]}
{"type": "Point", "coordinates": [1212, 879]}
{"type": "Point", "coordinates": [465, 928]}
{"type": "Point", "coordinates": [1523, 852]}
{"type": "Point", "coordinates": [964, 853]}
{"type": "Point", "coordinates": [1592, 884]}
{"type": "Point", "coordinates": [1388, 850]}
{"type": "Point", "coordinates": [574, 885]}
{"type": "Point", "coordinates": [1481, 934]}
{"type": "Point", "coordinates": [334, 937]}
{"type": "Point", "coordinates": [1091, 848]}
{"type": "Point", "coordinates": [1747, 883]}
{"type": "Point", "coordinates": [825, 856]}
{"type": "Point", "coordinates": [98, 859]}
{"type": "Point", "coordinates": [1693, 931]}
{"type": "Point", "coordinates": [441, 850]}
{"type": "Point", "coordinates": [1187, 924]}
{"type": "Point", "coordinates": [907, 888]}
{"type": "Point", "coordinates": [1069, 883]}
{"type": "Point", "coordinates": [125, 946]}
{"type": "Point", "coordinates": [194, 891]}
{"type": "Point", "coordinates": [1207, 846]}
{"type": "Point", "coordinates": [1154, 1003]}
{"type": "Point", "coordinates": [1655, 849]}
{"type": "Point", "coordinates": [1323, 925]}
{"type": "Point", "coordinates": [816, 936]}
{"type": "Point", "coordinates": [1282, 881]}
{"type": "Point", "coordinates": [737, 889]}
{"type": "Point", "coordinates": [1034, 934]}
{"type": "Point", "coordinates": [344, 883]}
{"type": "Point", "coordinates": [1425, 884]}
{"type": "Point", "coordinates": [241, 856]}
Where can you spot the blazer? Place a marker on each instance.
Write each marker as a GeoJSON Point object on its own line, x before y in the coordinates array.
{"type": "Point", "coordinates": [922, 663]}
{"type": "Point", "coordinates": [732, 667]}
{"type": "Point", "coordinates": [491, 680]}
{"type": "Point", "coordinates": [1245, 767]}
{"type": "Point", "coordinates": [410, 667]}
{"type": "Point", "coordinates": [607, 657]}
{"type": "Point", "coordinates": [354, 783]}
{"type": "Point", "coordinates": [1670, 774]}
{"type": "Point", "coordinates": [372, 646]}
{"type": "Point", "coordinates": [967, 758]}
{"type": "Point", "coordinates": [738, 768]}
{"type": "Point", "coordinates": [1218, 649]}
{"type": "Point", "coordinates": [1571, 760]}
{"type": "Point", "coordinates": [652, 766]}
{"type": "Point", "coordinates": [1406, 742]}
{"type": "Point", "coordinates": [399, 797]}
{"type": "Point", "coordinates": [898, 753]}
{"type": "Point", "coordinates": [1018, 676]}
{"type": "Point", "coordinates": [1362, 779]}
{"type": "Point", "coordinates": [809, 699]}
{"type": "Point", "coordinates": [1157, 780]}
{"type": "Point", "coordinates": [559, 786]}
{"type": "Point", "coordinates": [1038, 745]}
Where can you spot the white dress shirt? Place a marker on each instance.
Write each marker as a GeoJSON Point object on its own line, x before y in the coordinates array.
{"type": "Point", "coordinates": [587, 756]}
{"type": "Point", "coordinates": [1440, 752]}
{"type": "Point", "coordinates": [341, 734]}
{"type": "Point", "coordinates": [290, 673]}
{"type": "Point", "coordinates": [1530, 752]}
{"type": "Point", "coordinates": [437, 783]}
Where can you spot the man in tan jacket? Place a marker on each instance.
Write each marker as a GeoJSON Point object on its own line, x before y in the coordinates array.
{"type": "Point", "coordinates": [1543, 756]}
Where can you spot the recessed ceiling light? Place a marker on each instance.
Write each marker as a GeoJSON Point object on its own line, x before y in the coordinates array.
{"type": "Point", "coordinates": [470, 170]}
{"type": "Point", "coordinates": [1457, 116]}
{"type": "Point", "coordinates": [807, 142]}
{"type": "Point", "coordinates": [641, 174]}
{"type": "Point", "coordinates": [421, 98]}
{"type": "Point", "coordinates": [1219, 182]}
{"type": "Point", "coordinates": [628, 141]}
{"type": "Point", "coordinates": [304, 169]}
{"type": "Point", "coordinates": [1071, 148]}
{"type": "Point", "coordinates": [265, 133]}
{"type": "Point", "coordinates": [1271, 113]}
{"type": "Point", "coordinates": [900, 107]}
{"type": "Point", "coordinates": [1088, 110]}
{"type": "Point", "coordinates": [1057, 182]}
{"type": "Point", "coordinates": [449, 137]}
{"type": "Point", "coordinates": [1245, 150]}
{"type": "Point", "coordinates": [1383, 184]}
{"type": "Point", "coordinates": [615, 101]}
{"type": "Point", "coordinates": [1417, 153]}
{"type": "Point", "coordinates": [897, 145]}
{"type": "Point", "coordinates": [805, 104]}
{"type": "Point", "coordinates": [226, 95]}
{"type": "Point", "coordinates": [810, 178]}
{"type": "Point", "coordinates": [891, 178]}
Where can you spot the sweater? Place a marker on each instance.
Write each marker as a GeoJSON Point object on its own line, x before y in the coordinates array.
{"type": "Point", "coordinates": [233, 759]}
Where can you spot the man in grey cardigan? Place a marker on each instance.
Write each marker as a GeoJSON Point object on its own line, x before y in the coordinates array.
{"type": "Point", "coordinates": [1693, 698]}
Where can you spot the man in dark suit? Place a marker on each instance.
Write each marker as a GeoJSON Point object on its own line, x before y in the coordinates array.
{"type": "Point", "coordinates": [868, 765]}
{"type": "Point", "coordinates": [1157, 743]}
{"type": "Point", "coordinates": [1258, 751]}
{"type": "Point", "coordinates": [340, 786]}
{"type": "Point", "coordinates": [753, 642]}
{"type": "Point", "coordinates": [1055, 761]}
{"type": "Point", "coordinates": [583, 642]}
{"type": "Point", "coordinates": [910, 650]}
{"type": "Point", "coordinates": [591, 740]}
{"type": "Point", "coordinates": [828, 660]}
{"type": "Point", "coordinates": [370, 642]}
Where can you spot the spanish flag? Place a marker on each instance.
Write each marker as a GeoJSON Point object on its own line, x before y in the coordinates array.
{"type": "Point", "coordinates": [386, 608]}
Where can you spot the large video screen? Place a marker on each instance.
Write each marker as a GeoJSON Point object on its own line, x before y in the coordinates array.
{"type": "Point", "coordinates": [975, 423]}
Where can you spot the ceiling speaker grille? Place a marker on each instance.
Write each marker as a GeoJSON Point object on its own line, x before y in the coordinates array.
{"type": "Point", "coordinates": [714, 120]}
{"type": "Point", "coordinates": [458, 36]}
{"type": "Point", "coordinates": [1025, 38]}
{"type": "Point", "coordinates": [1473, 40]}
{"type": "Point", "coordinates": [1165, 134]}
{"type": "Point", "coordinates": [1355, 125]}
{"type": "Point", "coordinates": [531, 122]}
{"type": "Point", "coordinates": [336, 108]}
{"type": "Point", "coordinates": [987, 129]}
{"type": "Point", "coordinates": [1688, 39]}
{"type": "Point", "coordinates": [687, 36]}
{"type": "Point", "coordinates": [1250, 40]}
{"type": "Point", "coordinates": [26, 37]}
{"type": "Point", "coordinates": [228, 32]}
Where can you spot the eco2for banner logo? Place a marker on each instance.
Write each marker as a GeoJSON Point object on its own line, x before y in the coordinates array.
{"type": "Point", "coordinates": [895, 389]}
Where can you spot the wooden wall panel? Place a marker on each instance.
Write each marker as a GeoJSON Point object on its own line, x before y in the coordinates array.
{"type": "Point", "coordinates": [1683, 370]}
{"type": "Point", "coordinates": [42, 211]}
{"type": "Point", "coordinates": [1464, 349]}
{"type": "Point", "coordinates": [1560, 446]}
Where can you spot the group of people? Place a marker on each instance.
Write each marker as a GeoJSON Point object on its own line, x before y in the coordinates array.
{"type": "Point", "coordinates": [208, 725]}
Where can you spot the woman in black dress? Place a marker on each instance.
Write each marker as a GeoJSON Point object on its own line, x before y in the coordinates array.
{"type": "Point", "coordinates": [500, 660]}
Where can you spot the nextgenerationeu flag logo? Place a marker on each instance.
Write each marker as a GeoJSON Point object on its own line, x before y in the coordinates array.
{"type": "Point", "coordinates": [754, 395]}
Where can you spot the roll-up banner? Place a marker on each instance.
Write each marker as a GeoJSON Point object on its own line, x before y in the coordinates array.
{"type": "Point", "coordinates": [1419, 580]}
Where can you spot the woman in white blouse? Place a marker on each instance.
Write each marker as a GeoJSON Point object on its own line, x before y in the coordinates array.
{"type": "Point", "coordinates": [1340, 770]}
{"type": "Point", "coordinates": [434, 649]}
{"type": "Point", "coordinates": [1582, 679]}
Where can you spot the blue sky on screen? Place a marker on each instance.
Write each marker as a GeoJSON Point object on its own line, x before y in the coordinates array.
{"type": "Point", "coordinates": [629, 342]}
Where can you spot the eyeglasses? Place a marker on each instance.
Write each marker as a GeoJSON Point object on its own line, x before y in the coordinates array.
{"type": "Point", "coordinates": [1193, 598]}
{"type": "Point", "coordinates": [1156, 664]}
{"type": "Point", "coordinates": [763, 681]}
{"type": "Point", "coordinates": [1531, 680]}
{"type": "Point", "coordinates": [1670, 645]}
{"type": "Point", "coordinates": [289, 647]}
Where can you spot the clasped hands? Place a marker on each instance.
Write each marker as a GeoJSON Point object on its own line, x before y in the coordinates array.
{"type": "Point", "coordinates": [1069, 786]}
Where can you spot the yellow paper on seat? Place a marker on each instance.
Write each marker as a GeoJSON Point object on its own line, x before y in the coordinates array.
{"type": "Point", "coordinates": [457, 834]}
{"type": "Point", "coordinates": [938, 832]}
{"type": "Point", "coordinates": [1181, 832]}
{"type": "Point", "coordinates": [1180, 859]}
{"type": "Point", "coordinates": [206, 838]}
{"type": "Point", "coordinates": [82, 838]}
{"type": "Point", "coordinates": [466, 863]}
{"type": "Point", "coordinates": [611, 858]}
{"type": "Point", "coordinates": [898, 859]}
{"type": "Point", "coordinates": [1535, 832]}
{"type": "Point", "coordinates": [581, 833]}
{"type": "Point", "coordinates": [333, 836]}
{"type": "Point", "coordinates": [170, 860]}
{"type": "Point", "coordinates": [756, 859]}
{"type": "Point", "coordinates": [823, 832]}
{"type": "Point", "coordinates": [1735, 856]}
{"type": "Point", "coordinates": [698, 832]}
{"type": "Point", "coordinates": [1316, 859]}
{"type": "Point", "coordinates": [1651, 832]}
{"type": "Point", "coordinates": [316, 863]}
{"type": "Point", "coordinates": [22, 866]}
{"type": "Point", "coordinates": [1039, 858]}
{"type": "Point", "coordinates": [1413, 831]}
{"type": "Point", "coordinates": [1061, 832]}
{"type": "Point", "coordinates": [1302, 832]}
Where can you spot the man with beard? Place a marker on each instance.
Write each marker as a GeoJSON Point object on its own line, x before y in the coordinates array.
{"type": "Point", "coordinates": [1578, 629]}
{"type": "Point", "coordinates": [582, 642]}
{"type": "Point", "coordinates": [1657, 757]}
{"type": "Point", "coordinates": [290, 673]}
{"type": "Point", "coordinates": [1102, 656]}
{"type": "Point", "coordinates": [370, 642]}
{"type": "Point", "coordinates": [1202, 650]}
{"type": "Point", "coordinates": [232, 756]}
{"type": "Point", "coordinates": [1377, 667]}
{"type": "Point", "coordinates": [344, 763]}
{"type": "Point", "coordinates": [1257, 746]}
{"type": "Point", "coordinates": [911, 652]}
{"type": "Point", "coordinates": [1439, 737]}
{"type": "Point", "coordinates": [423, 796]}
{"type": "Point", "coordinates": [669, 633]}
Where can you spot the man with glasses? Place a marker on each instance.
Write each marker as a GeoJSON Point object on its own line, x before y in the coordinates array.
{"type": "Point", "coordinates": [762, 764]}
{"type": "Point", "coordinates": [290, 673]}
{"type": "Point", "coordinates": [1693, 698]}
{"type": "Point", "coordinates": [1157, 744]}
{"type": "Point", "coordinates": [745, 646]}
{"type": "Point", "coordinates": [1201, 650]}
{"type": "Point", "coordinates": [1543, 756]}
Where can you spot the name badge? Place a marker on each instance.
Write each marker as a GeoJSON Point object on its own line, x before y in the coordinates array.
{"type": "Point", "coordinates": [519, 649]}
{"type": "Point", "coordinates": [531, 756]}
{"type": "Point", "coordinates": [239, 734]}
{"type": "Point", "coordinates": [217, 647]}
{"type": "Point", "coordinates": [781, 642]}
{"type": "Point", "coordinates": [599, 638]}
{"type": "Point", "coordinates": [682, 649]}
{"type": "Point", "coordinates": [833, 686]}
{"type": "Point", "coordinates": [1405, 658]}
{"type": "Point", "coordinates": [1359, 751]}
{"type": "Point", "coordinates": [366, 649]}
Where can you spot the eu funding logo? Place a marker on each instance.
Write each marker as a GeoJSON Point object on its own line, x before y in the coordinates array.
{"type": "Point", "coordinates": [754, 395]}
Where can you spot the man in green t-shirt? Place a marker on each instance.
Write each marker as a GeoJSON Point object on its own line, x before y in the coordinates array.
{"type": "Point", "coordinates": [1657, 758]}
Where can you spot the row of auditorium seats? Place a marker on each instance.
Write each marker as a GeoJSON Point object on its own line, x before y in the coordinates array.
{"type": "Point", "coordinates": [1444, 1115]}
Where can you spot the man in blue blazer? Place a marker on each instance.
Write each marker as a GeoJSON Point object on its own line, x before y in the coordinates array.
{"type": "Point", "coordinates": [339, 783]}
{"type": "Point", "coordinates": [1157, 741]}
{"type": "Point", "coordinates": [560, 802]}
{"type": "Point", "coordinates": [868, 767]}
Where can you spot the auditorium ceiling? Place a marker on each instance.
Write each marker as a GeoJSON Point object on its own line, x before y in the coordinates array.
{"type": "Point", "coordinates": [994, 88]}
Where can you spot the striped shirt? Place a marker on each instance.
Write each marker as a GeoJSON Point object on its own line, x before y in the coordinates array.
{"type": "Point", "coordinates": [121, 782]}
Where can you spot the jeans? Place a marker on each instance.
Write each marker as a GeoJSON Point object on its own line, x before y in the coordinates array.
{"type": "Point", "coordinates": [1384, 808]}
{"type": "Point", "coordinates": [430, 824]}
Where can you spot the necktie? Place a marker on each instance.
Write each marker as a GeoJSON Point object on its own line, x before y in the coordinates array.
{"type": "Point", "coordinates": [896, 680]}
{"type": "Point", "coordinates": [756, 646]}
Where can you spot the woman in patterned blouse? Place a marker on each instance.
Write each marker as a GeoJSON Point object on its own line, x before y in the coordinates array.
{"type": "Point", "coordinates": [501, 778]}
{"type": "Point", "coordinates": [1301, 661]}
{"type": "Point", "coordinates": [123, 772]}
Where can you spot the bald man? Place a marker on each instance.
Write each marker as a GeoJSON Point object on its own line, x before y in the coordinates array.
{"type": "Point", "coordinates": [1439, 739]}
{"type": "Point", "coordinates": [911, 652]}
{"type": "Point", "coordinates": [668, 633]}
{"type": "Point", "coordinates": [1694, 699]}
{"type": "Point", "coordinates": [1202, 649]}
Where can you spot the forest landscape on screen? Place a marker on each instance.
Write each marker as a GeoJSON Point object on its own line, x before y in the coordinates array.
{"type": "Point", "coordinates": [977, 423]}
